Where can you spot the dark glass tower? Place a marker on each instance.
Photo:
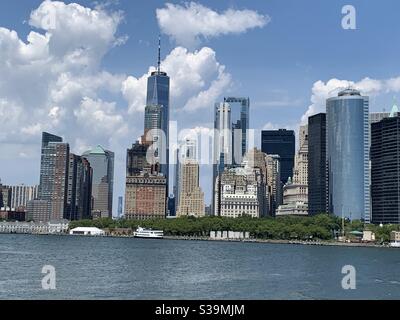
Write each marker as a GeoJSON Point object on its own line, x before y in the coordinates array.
{"type": "Point", "coordinates": [158, 92]}
{"type": "Point", "coordinates": [317, 171]}
{"type": "Point", "coordinates": [280, 142]}
{"type": "Point", "coordinates": [240, 117]}
{"type": "Point", "coordinates": [385, 171]}
{"type": "Point", "coordinates": [79, 196]}
{"type": "Point", "coordinates": [102, 162]}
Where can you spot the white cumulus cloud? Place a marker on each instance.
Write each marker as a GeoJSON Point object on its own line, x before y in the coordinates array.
{"type": "Point", "coordinates": [189, 23]}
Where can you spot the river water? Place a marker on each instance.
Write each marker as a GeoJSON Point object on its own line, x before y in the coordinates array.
{"type": "Point", "coordinates": [126, 268]}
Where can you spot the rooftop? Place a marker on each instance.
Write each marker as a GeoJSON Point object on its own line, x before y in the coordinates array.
{"type": "Point", "coordinates": [349, 92]}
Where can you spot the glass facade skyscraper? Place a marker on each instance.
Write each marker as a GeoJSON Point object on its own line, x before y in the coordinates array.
{"type": "Point", "coordinates": [317, 178]}
{"type": "Point", "coordinates": [280, 142]}
{"type": "Point", "coordinates": [102, 162]}
{"type": "Point", "coordinates": [348, 155]}
{"type": "Point", "coordinates": [79, 195]}
{"type": "Point", "coordinates": [158, 99]}
{"type": "Point", "coordinates": [240, 118]}
{"type": "Point", "coordinates": [385, 170]}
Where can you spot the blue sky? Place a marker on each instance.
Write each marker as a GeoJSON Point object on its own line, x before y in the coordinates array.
{"type": "Point", "coordinates": [275, 65]}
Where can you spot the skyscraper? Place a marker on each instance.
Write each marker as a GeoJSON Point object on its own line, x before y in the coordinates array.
{"type": "Point", "coordinates": [79, 188]}
{"type": "Point", "coordinates": [22, 194]}
{"type": "Point", "coordinates": [54, 174]}
{"type": "Point", "coordinates": [385, 170]}
{"type": "Point", "coordinates": [120, 206]}
{"type": "Point", "coordinates": [191, 197]}
{"type": "Point", "coordinates": [158, 100]}
{"type": "Point", "coordinates": [102, 162]}
{"type": "Point", "coordinates": [274, 184]}
{"type": "Point", "coordinates": [146, 196]}
{"type": "Point", "coordinates": [47, 166]}
{"type": "Point", "coordinates": [5, 196]}
{"type": "Point", "coordinates": [280, 142]}
{"type": "Point", "coordinates": [240, 119]}
{"type": "Point", "coordinates": [317, 173]}
{"type": "Point", "coordinates": [223, 136]}
{"type": "Point", "coordinates": [347, 118]}
{"type": "Point", "coordinates": [186, 151]}
{"type": "Point", "coordinates": [222, 144]}
{"type": "Point", "coordinates": [295, 191]}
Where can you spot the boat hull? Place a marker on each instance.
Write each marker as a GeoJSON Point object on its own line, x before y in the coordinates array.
{"type": "Point", "coordinates": [147, 236]}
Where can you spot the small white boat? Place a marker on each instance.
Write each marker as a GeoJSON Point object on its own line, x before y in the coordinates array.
{"type": "Point", "coordinates": [148, 233]}
{"type": "Point", "coordinates": [395, 244]}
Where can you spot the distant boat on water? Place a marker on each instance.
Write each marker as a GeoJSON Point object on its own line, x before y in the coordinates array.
{"type": "Point", "coordinates": [148, 233]}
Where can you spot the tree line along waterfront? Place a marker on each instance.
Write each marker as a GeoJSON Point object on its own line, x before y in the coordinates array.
{"type": "Point", "coordinates": [319, 227]}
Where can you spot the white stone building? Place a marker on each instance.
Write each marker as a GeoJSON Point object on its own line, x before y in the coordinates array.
{"type": "Point", "coordinates": [295, 192]}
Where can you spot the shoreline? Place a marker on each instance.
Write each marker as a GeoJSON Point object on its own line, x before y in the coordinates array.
{"type": "Point", "coordinates": [287, 242]}
{"type": "Point", "coordinates": [259, 241]}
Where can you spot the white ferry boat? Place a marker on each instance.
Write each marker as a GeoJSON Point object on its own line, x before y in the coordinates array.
{"type": "Point", "coordinates": [395, 244]}
{"type": "Point", "coordinates": [148, 233]}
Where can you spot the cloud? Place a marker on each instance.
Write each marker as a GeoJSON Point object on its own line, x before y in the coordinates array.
{"type": "Point", "coordinates": [54, 81]}
{"type": "Point", "coordinates": [321, 91]}
{"type": "Point", "coordinates": [91, 33]}
{"type": "Point", "coordinates": [101, 117]}
{"type": "Point", "coordinates": [192, 22]}
{"type": "Point", "coordinates": [279, 103]}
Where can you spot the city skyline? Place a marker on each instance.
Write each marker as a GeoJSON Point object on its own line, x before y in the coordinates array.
{"type": "Point", "coordinates": [280, 91]}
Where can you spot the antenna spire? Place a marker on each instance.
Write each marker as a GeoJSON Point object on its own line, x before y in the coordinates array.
{"type": "Point", "coordinates": [159, 54]}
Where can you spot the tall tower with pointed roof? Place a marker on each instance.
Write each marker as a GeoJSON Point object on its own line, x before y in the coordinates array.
{"type": "Point", "coordinates": [158, 96]}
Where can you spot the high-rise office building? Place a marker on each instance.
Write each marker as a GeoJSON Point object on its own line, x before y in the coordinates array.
{"type": "Point", "coordinates": [5, 196]}
{"type": "Point", "coordinates": [102, 163]}
{"type": "Point", "coordinates": [385, 170]}
{"type": "Point", "coordinates": [240, 119]}
{"type": "Point", "coordinates": [79, 196]}
{"type": "Point", "coordinates": [147, 174]}
{"type": "Point", "coordinates": [317, 171]}
{"type": "Point", "coordinates": [257, 160]}
{"type": "Point", "coordinates": [22, 194]}
{"type": "Point", "coordinates": [120, 206]}
{"type": "Point", "coordinates": [280, 142]}
{"type": "Point", "coordinates": [191, 197]}
{"type": "Point", "coordinates": [231, 124]}
{"type": "Point", "coordinates": [222, 144]}
{"type": "Point", "coordinates": [158, 100]}
{"type": "Point", "coordinates": [223, 136]}
{"type": "Point", "coordinates": [347, 118]}
{"type": "Point", "coordinates": [171, 206]}
{"type": "Point", "coordinates": [274, 184]}
{"type": "Point", "coordinates": [232, 121]}
{"type": "Point", "coordinates": [47, 166]}
{"type": "Point", "coordinates": [146, 196]}
{"type": "Point", "coordinates": [38, 210]}
{"type": "Point", "coordinates": [54, 174]}
{"type": "Point", "coordinates": [295, 191]}
{"type": "Point", "coordinates": [187, 150]}
{"type": "Point", "coordinates": [154, 138]}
